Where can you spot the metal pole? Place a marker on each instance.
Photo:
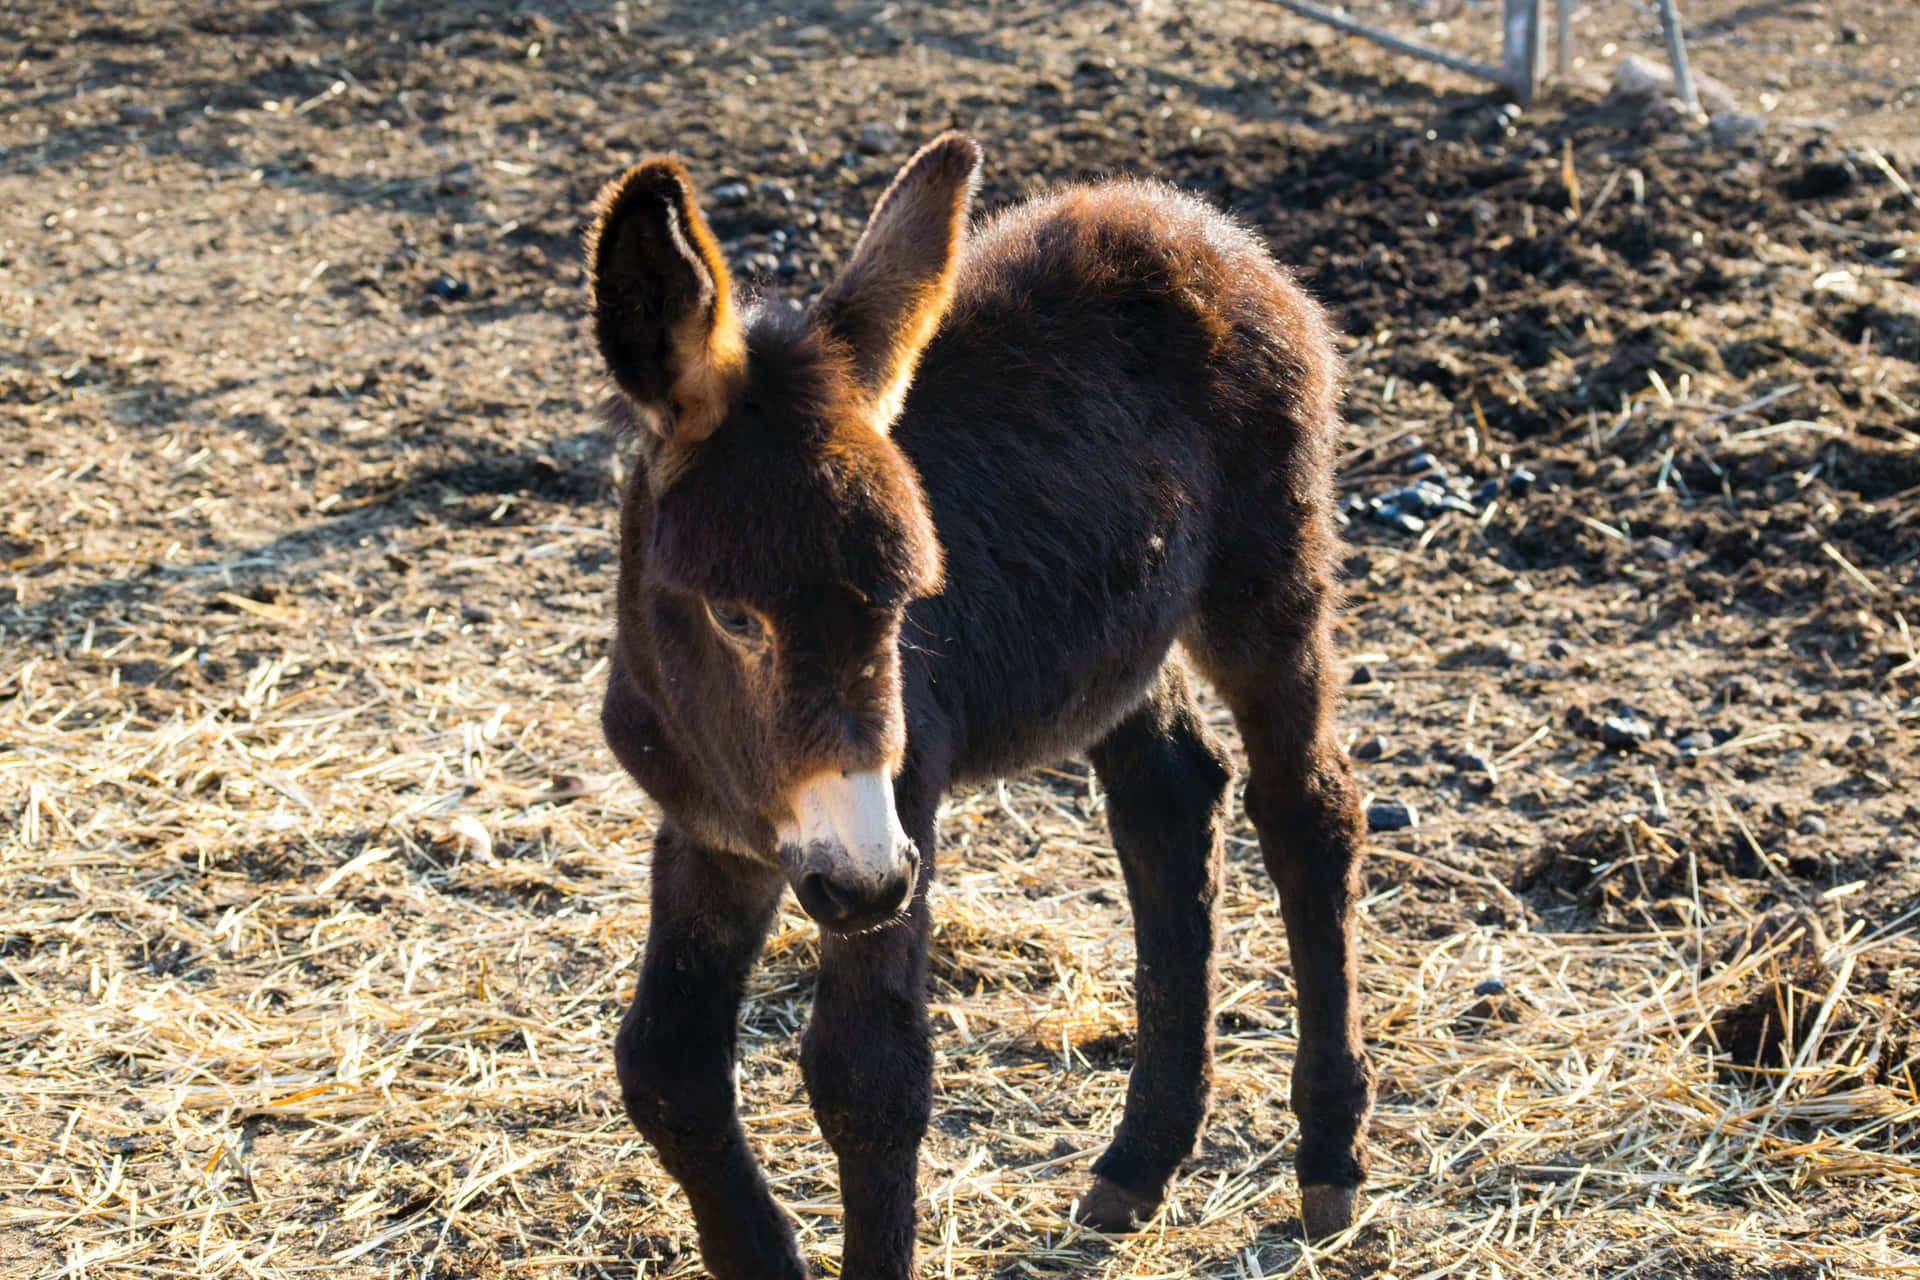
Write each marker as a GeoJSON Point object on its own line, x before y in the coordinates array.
{"type": "Point", "coordinates": [1562, 38]}
{"type": "Point", "coordinates": [1391, 41]}
{"type": "Point", "coordinates": [1677, 56]}
{"type": "Point", "coordinates": [1520, 48]}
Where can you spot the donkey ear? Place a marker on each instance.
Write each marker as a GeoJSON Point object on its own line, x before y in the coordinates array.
{"type": "Point", "coordinates": [662, 303]}
{"type": "Point", "coordinates": [895, 289]}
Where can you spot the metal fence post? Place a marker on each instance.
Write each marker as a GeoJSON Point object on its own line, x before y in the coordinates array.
{"type": "Point", "coordinates": [1523, 41]}
{"type": "Point", "coordinates": [1677, 55]}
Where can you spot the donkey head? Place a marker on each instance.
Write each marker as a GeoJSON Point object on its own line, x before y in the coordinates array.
{"type": "Point", "coordinates": [773, 534]}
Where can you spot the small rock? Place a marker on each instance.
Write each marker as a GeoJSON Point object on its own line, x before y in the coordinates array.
{"type": "Point", "coordinates": [1657, 548]}
{"type": "Point", "coordinates": [1520, 482]}
{"type": "Point", "coordinates": [1487, 490]}
{"type": "Point", "coordinates": [762, 263]}
{"type": "Point", "coordinates": [814, 34]}
{"type": "Point", "coordinates": [876, 138]}
{"type": "Point", "coordinates": [1823, 178]}
{"type": "Point", "coordinates": [731, 193]}
{"type": "Point", "coordinates": [563, 787]}
{"type": "Point", "coordinates": [141, 113]}
{"type": "Point", "coordinates": [1624, 733]}
{"type": "Point", "coordinates": [1556, 650]}
{"type": "Point", "coordinates": [1370, 748]}
{"type": "Point", "coordinates": [1391, 815]}
{"type": "Point", "coordinates": [1644, 81]}
{"type": "Point", "coordinates": [1483, 653]}
{"type": "Point", "coordinates": [1424, 498]}
{"type": "Point", "coordinates": [1731, 126]}
{"type": "Point", "coordinates": [1860, 739]}
{"type": "Point", "coordinates": [1362, 674]}
{"type": "Point", "coordinates": [1420, 463]}
{"type": "Point", "coordinates": [1723, 733]}
{"type": "Point", "coordinates": [449, 288]}
{"type": "Point", "coordinates": [1491, 987]}
{"type": "Point", "coordinates": [1472, 762]}
{"type": "Point", "coordinates": [1849, 34]}
{"type": "Point", "coordinates": [1103, 71]}
{"type": "Point", "coordinates": [1812, 824]}
{"type": "Point", "coordinates": [1695, 742]}
{"type": "Point", "coordinates": [1401, 521]}
{"type": "Point", "coordinates": [775, 190]}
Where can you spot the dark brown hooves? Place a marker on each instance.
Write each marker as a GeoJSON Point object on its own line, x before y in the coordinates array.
{"type": "Point", "coordinates": [1114, 1209]}
{"type": "Point", "coordinates": [1326, 1210]}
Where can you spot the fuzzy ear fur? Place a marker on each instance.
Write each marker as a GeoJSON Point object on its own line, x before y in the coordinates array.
{"type": "Point", "coordinates": [662, 303]}
{"type": "Point", "coordinates": [890, 298]}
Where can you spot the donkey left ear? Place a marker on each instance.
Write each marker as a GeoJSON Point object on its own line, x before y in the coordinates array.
{"type": "Point", "coordinates": [890, 298]}
{"type": "Point", "coordinates": [662, 303]}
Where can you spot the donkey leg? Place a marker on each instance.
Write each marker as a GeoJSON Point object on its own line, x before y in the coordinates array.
{"type": "Point", "coordinates": [868, 1063]}
{"type": "Point", "coordinates": [1303, 801]}
{"type": "Point", "coordinates": [1166, 782]}
{"type": "Point", "coordinates": [675, 1052]}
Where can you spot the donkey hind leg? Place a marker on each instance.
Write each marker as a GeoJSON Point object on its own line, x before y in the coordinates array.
{"type": "Point", "coordinates": [868, 1063]}
{"type": "Point", "coordinates": [1305, 805]}
{"type": "Point", "coordinates": [675, 1052]}
{"type": "Point", "coordinates": [1166, 782]}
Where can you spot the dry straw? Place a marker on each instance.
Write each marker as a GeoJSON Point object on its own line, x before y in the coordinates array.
{"type": "Point", "coordinates": [318, 972]}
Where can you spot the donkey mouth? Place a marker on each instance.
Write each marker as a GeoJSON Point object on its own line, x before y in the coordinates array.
{"type": "Point", "coordinates": [845, 896]}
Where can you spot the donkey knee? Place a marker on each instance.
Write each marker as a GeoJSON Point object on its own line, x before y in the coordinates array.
{"type": "Point", "coordinates": [1180, 781]}
{"type": "Point", "coordinates": [871, 1091]}
{"type": "Point", "coordinates": [1319, 806]}
{"type": "Point", "coordinates": [675, 1092]}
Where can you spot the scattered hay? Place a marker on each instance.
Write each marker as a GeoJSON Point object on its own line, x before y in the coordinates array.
{"type": "Point", "coordinates": [356, 1015]}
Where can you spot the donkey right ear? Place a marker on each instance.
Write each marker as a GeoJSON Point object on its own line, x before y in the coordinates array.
{"type": "Point", "coordinates": [662, 304]}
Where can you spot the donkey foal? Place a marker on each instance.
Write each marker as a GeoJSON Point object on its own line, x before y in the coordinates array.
{"type": "Point", "coordinates": [950, 523]}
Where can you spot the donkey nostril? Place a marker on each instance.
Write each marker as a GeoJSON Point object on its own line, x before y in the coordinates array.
{"type": "Point", "coordinates": [822, 899]}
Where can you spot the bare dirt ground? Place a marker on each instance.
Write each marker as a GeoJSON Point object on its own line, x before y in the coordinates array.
{"type": "Point", "coordinates": [322, 893]}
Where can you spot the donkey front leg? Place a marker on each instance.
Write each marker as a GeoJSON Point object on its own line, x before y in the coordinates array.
{"type": "Point", "coordinates": [869, 1071]}
{"type": "Point", "coordinates": [675, 1052]}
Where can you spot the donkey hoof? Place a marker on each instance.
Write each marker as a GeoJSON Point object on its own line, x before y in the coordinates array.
{"type": "Point", "coordinates": [1114, 1209]}
{"type": "Point", "coordinates": [1326, 1210]}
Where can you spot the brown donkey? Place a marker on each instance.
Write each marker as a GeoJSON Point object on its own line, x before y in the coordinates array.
{"type": "Point", "coordinates": [948, 524]}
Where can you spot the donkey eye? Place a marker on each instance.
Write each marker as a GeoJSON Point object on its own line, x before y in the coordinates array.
{"type": "Point", "coordinates": [733, 619]}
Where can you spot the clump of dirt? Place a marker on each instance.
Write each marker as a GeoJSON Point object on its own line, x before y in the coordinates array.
{"type": "Point", "coordinates": [1607, 873]}
{"type": "Point", "coordinates": [1766, 1026]}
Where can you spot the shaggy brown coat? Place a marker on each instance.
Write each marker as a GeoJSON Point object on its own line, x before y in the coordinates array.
{"type": "Point", "coordinates": [982, 507]}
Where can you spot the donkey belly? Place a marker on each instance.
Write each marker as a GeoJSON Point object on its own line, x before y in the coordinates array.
{"type": "Point", "coordinates": [1057, 717]}
{"type": "Point", "coordinates": [1030, 656]}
